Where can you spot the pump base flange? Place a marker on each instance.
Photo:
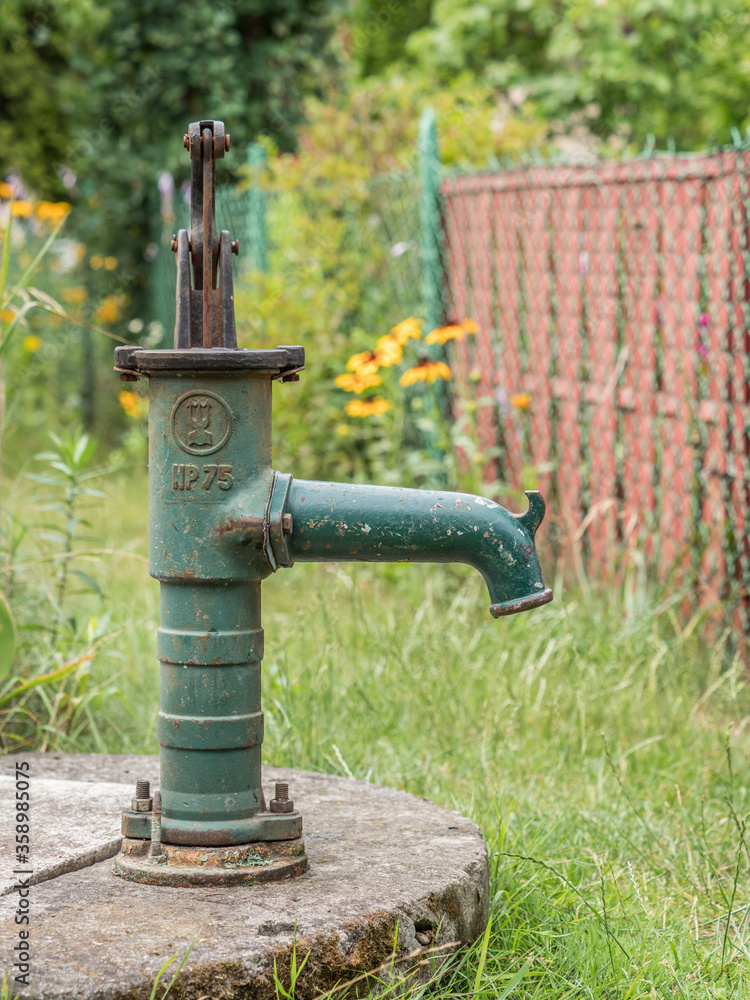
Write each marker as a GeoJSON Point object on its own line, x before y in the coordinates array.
{"type": "Point", "coordinates": [239, 864]}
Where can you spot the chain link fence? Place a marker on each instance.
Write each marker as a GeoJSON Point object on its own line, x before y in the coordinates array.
{"type": "Point", "coordinates": [614, 308]}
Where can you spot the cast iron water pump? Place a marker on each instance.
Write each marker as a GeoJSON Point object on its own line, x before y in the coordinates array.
{"type": "Point", "coordinates": [221, 521]}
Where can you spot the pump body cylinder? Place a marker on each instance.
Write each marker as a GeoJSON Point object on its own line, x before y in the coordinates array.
{"type": "Point", "coordinates": [209, 463]}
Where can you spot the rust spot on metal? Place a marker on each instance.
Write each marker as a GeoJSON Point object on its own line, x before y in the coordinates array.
{"type": "Point", "coordinates": [239, 525]}
{"type": "Point", "coordinates": [524, 604]}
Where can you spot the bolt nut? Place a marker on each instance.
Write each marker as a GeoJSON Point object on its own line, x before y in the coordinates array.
{"type": "Point", "coordinates": [282, 803]}
{"type": "Point", "coordinates": [173, 244]}
{"type": "Point", "coordinates": [226, 142]}
{"type": "Point", "coordinates": [142, 803]}
{"type": "Point", "coordinates": [287, 525]}
{"type": "Point", "coordinates": [236, 247]}
{"type": "Point", "coordinates": [186, 141]}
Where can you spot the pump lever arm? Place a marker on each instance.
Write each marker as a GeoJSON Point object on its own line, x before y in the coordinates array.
{"type": "Point", "coordinates": [205, 308]}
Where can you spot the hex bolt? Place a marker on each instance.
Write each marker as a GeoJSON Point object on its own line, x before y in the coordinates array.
{"type": "Point", "coordinates": [226, 142]}
{"type": "Point", "coordinates": [155, 854]}
{"type": "Point", "coordinates": [235, 247]}
{"type": "Point", "coordinates": [281, 803]}
{"type": "Point", "coordinates": [142, 802]}
{"type": "Point", "coordinates": [287, 525]}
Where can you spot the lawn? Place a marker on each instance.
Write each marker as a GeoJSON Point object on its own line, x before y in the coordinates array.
{"type": "Point", "coordinates": [600, 743]}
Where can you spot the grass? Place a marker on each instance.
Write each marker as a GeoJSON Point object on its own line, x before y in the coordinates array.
{"type": "Point", "coordinates": [601, 745]}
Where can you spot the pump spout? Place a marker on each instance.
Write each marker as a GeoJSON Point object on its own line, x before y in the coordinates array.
{"type": "Point", "coordinates": [338, 522]}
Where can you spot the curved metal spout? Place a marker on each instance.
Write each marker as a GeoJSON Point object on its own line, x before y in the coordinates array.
{"type": "Point", "coordinates": [340, 522]}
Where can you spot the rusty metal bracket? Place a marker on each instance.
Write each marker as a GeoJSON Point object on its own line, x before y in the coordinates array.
{"type": "Point", "coordinates": [205, 308]}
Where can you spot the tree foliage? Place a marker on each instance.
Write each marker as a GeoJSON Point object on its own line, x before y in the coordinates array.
{"type": "Point", "coordinates": [674, 68]}
{"type": "Point", "coordinates": [109, 91]}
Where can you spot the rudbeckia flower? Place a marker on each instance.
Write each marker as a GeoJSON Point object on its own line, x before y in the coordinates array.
{"type": "Point", "coordinates": [388, 351]}
{"type": "Point", "coordinates": [407, 329]}
{"type": "Point", "coordinates": [354, 382]}
{"type": "Point", "coordinates": [365, 363]}
{"type": "Point", "coordinates": [426, 371]}
{"type": "Point", "coordinates": [453, 331]}
{"type": "Point", "coordinates": [132, 403]}
{"type": "Point", "coordinates": [368, 407]}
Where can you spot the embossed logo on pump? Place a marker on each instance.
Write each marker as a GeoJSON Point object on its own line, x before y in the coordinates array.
{"type": "Point", "coordinates": [201, 422]}
{"type": "Point", "coordinates": [200, 417]}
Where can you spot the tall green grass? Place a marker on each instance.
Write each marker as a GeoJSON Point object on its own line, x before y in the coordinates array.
{"type": "Point", "coordinates": [600, 743]}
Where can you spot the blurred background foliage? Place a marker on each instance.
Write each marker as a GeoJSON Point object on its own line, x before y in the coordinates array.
{"type": "Point", "coordinates": [94, 99]}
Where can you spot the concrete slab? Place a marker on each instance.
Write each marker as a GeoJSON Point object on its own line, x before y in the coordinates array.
{"type": "Point", "coordinates": [393, 880]}
{"type": "Point", "coordinates": [66, 837]}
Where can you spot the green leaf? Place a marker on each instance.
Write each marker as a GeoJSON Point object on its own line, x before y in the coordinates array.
{"type": "Point", "coordinates": [7, 637]}
{"type": "Point", "coordinates": [88, 580]}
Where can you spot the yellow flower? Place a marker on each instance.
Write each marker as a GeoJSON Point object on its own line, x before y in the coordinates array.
{"type": "Point", "coordinates": [22, 208]}
{"type": "Point", "coordinates": [32, 342]}
{"type": "Point", "coordinates": [520, 401]}
{"type": "Point", "coordinates": [110, 263]}
{"type": "Point", "coordinates": [426, 371]}
{"type": "Point", "coordinates": [7, 315]}
{"type": "Point", "coordinates": [52, 211]}
{"type": "Point", "coordinates": [6, 190]}
{"type": "Point", "coordinates": [453, 331]}
{"type": "Point", "coordinates": [365, 363]}
{"type": "Point", "coordinates": [388, 351]}
{"type": "Point", "coordinates": [96, 262]}
{"type": "Point", "coordinates": [368, 407]}
{"type": "Point", "coordinates": [354, 382]}
{"type": "Point", "coordinates": [108, 311]}
{"type": "Point", "coordinates": [131, 402]}
{"type": "Point", "coordinates": [76, 296]}
{"type": "Point", "coordinates": [406, 330]}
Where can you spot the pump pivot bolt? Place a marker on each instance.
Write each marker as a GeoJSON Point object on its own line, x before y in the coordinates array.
{"type": "Point", "coordinates": [142, 802]}
{"type": "Point", "coordinates": [282, 803]}
{"type": "Point", "coordinates": [173, 244]}
{"type": "Point", "coordinates": [235, 247]}
{"type": "Point", "coordinates": [226, 142]}
{"type": "Point", "coordinates": [186, 141]}
{"type": "Point", "coordinates": [287, 524]}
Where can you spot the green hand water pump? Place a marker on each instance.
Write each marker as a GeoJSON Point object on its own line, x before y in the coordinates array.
{"type": "Point", "coordinates": [221, 520]}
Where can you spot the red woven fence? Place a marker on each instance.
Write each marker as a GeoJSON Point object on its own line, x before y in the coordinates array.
{"type": "Point", "coordinates": [618, 299]}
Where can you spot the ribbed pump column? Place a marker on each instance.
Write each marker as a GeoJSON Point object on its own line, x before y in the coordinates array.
{"type": "Point", "coordinates": [210, 645]}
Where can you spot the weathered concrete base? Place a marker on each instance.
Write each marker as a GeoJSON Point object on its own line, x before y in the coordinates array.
{"type": "Point", "coordinates": [394, 882]}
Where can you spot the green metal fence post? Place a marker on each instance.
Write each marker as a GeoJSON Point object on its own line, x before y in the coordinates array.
{"type": "Point", "coordinates": [256, 208]}
{"type": "Point", "coordinates": [431, 223]}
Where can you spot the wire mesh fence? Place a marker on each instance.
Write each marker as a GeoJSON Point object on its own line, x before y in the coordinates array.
{"type": "Point", "coordinates": [614, 307]}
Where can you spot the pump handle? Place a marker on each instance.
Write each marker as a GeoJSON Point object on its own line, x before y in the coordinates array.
{"type": "Point", "coordinates": [205, 308]}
